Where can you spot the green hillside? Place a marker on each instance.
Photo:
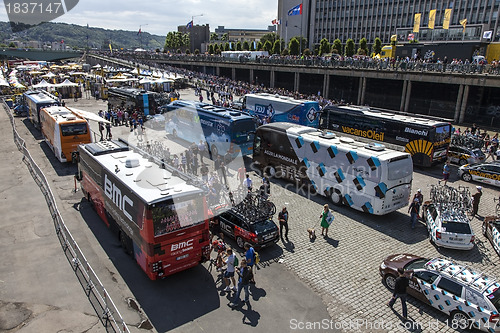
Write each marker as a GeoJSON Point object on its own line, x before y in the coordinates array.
{"type": "Point", "coordinates": [75, 36]}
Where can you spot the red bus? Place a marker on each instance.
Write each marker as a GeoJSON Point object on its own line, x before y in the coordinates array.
{"type": "Point", "coordinates": [160, 215]}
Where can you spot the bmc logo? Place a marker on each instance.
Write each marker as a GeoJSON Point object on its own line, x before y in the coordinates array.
{"type": "Point", "coordinates": [123, 202]}
{"type": "Point", "coordinates": [181, 245]}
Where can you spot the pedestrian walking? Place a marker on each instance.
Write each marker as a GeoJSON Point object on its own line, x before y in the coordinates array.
{"type": "Point", "coordinates": [420, 197]}
{"type": "Point", "coordinates": [108, 131]}
{"type": "Point", "coordinates": [475, 200]}
{"type": "Point", "coordinates": [446, 172]}
{"type": "Point", "coordinates": [283, 219]}
{"type": "Point", "coordinates": [326, 219]}
{"type": "Point", "coordinates": [413, 210]}
{"type": "Point", "coordinates": [400, 286]}
{"type": "Point", "coordinates": [229, 273]}
{"type": "Point", "coordinates": [250, 259]}
{"type": "Point", "coordinates": [244, 277]}
{"type": "Point", "coordinates": [248, 183]}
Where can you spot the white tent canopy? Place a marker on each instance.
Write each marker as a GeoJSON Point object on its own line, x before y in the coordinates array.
{"type": "Point", "coordinates": [43, 84]}
{"type": "Point", "coordinates": [66, 83]}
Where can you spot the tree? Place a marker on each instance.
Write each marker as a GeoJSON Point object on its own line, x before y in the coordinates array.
{"type": "Point", "coordinates": [227, 47]}
{"type": "Point", "coordinates": [377, 46]}
{"type": "Point", "coordinates": [285, 52]}
{"type": "Point", "coordinates": [210, 49]}
{"type": "Point", "coordinates": [307, 52]}
{"type": "Point", "coordinates": [238, 46]}
{"type": "Point", "coordinates": [271, 37]}
{"type": "Point", "coordinates": [232, 46]}
{"type": "Point", "coordinates": [302, 42]}
{"type": "Point", "coordinates": [216, 49]}
{"type": "Point", "coordinates": [214, 36]}
{"type": "Point", "coordinates": [349, 48]}
{"type": "Point", "coordinates": [337, 45]}
{"type": "Point", "coordinates": [268, 46]}
{"type": "Point", "coordinates": [363, 46]}
{"type": "Point", "coordinates": [260, 46]}
{"type": "Point", "coordinates": [276, 47]}
{"type": "Point", "coordinates": [12, 45]}
{"type": "Point", "coordinates": [324, 46]}
{"type": "Point", "coordinates": [225, 37]}
{"type": "Point", "coordinates": [246, 46]}
{"type": "Point", "coordinates": [196, 51]}
{"type": "Point", "coordinates": [175, 40]}
{"type": "Point", "coordinates": [252, 46]}
{"type": "Point", "coordinates": [294, 46]}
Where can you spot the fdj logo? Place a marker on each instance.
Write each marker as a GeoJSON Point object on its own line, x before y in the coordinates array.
{"type": "Point", "coordinates": [265, 110]}
{"type": "Point", "coordinates": [26, 14]}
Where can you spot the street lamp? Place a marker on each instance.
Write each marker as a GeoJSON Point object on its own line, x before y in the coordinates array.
{"type": "Point", "coordinates": [140, 32]}
{"type": "Point", "coordinates": [300, 43]}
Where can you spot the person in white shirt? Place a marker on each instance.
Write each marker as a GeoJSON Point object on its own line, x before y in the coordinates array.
{"type": "Point", "coordinates": [248, 183]}
{"type": "Point", "coordinates": [229, 273]}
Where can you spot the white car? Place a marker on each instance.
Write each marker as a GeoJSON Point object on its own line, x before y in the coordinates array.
{"type": "Point", "coordinates": [488, 173]}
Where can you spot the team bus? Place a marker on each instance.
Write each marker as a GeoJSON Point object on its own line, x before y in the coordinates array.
{"type": "Point", "coordinates": [227, 132]}
{"type": "Point", "coordinates": [160, 214]}
{"type": "Point", "coordinates": [64, 130]}
{"type": "Point", "coordinates": [366, 177]}
{"type": "Point", "coordinates": [146, 102]}
{"type": "Point", "coordinates": [35, 100]}
{"type": "Point", "coordinates": [427, 140]}
{"type": "Point", "coordinates": [282, 108]}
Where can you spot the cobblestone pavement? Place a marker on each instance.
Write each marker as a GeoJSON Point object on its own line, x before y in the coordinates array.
{"type": "Point", "coordinates": [344, 268]}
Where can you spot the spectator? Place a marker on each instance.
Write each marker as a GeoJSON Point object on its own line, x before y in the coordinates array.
{"type": "Point", "coordinates": [446, 172]}
{"type": "Point", "coordinates": [402, 283]}
{"type": "Point", "coordinates": [248, 183]}
{"type": "Point", "coordinates": [413, 210]}
{"type": "Point", "coordinates": [475, 200]}
{"type": "Point", "coordinates": [283, 220]}
{"type": "Point", "coordinates": [229, 273]}
{"type": "Point", "coordinates": [250, 259]}
{"type": "Point", "coordinates": [245, 275]}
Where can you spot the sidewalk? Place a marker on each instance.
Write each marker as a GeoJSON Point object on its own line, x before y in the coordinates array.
{"type": "Point", "coordinates": [38, 290]}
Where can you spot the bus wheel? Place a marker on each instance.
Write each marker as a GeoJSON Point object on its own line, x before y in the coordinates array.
{"type": "Point", "coordinates": [271, 171]}
{"type": "Point", "coordinates": [126, 242]}
{"type": "Point", "coordinates": [336, 197]}
{"type": "Point", "coordinates": [174, 134]}
{"type": "Point", "coordinates": [214, 151]}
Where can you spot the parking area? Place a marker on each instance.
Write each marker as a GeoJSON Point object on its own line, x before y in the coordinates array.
{"type": "Point", "coordinates": [343, 269]}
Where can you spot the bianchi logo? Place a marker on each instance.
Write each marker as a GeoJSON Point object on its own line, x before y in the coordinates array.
{"type": "Point", "coordinates": [26, 14]}
{"type": "Point", "coordinates": [417, 132]}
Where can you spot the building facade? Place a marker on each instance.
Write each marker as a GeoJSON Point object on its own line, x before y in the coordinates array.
{"type": "Point", "coordinates": [241, 35]}
{"type": "Point", "coordinates": [199, 35]}
{"type": "Point", "coordinates": [356, 19]}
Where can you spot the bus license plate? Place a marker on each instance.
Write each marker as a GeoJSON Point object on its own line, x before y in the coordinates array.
{"type": "Point", "coordinates": [182, 257]}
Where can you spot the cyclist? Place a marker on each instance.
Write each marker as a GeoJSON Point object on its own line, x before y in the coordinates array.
{"type": "Point", "coordinates": [220, 247]}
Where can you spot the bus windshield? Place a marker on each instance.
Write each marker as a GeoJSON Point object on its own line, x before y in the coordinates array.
{"type": "Point", "coordinates": [399, 168]}
{"type": "Point", "coordinates": [74, 129]}
{"type": "Point", "coordinates": [442, 133]}
{"type": "Point", "coordinates": [169, 217]}
{"type": "Point", "coordinates": [242, 130]}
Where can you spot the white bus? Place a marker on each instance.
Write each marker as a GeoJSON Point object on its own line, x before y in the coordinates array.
{"type": "Point", "coordinates": [366, 177]}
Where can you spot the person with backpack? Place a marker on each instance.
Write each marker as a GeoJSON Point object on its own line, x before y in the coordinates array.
{"type": "Point", "coordinates": [245, 275]}
{"type": "Point", "coordinates": [231, 262]}
{"type": "Point", "coordinates": [250, 256]}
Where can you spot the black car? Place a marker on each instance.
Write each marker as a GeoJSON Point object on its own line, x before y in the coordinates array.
{"type": "Point", "coordinates": [259, 232]}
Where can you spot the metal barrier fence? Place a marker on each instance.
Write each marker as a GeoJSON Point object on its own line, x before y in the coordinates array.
{"type": "Point", "coordinates": [96, 293]}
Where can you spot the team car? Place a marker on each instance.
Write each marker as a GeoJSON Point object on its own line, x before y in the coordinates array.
{"type": "Point", "coordinates": [469, 297]}
{"type": "Point", "coordinates": [491, 229]}
{"type": "Point", "coordinates": [488, 173]}
{"type": "Point", "coordinates": [448, 227]}
{"type": "Point", "coordinates": [259, 232]}
{"type": "Point", "coordinates": [463, 155]}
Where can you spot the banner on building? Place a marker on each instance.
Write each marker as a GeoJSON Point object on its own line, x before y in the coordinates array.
{"type": "Point", "coordinates": [447, 18]}
{"type": "Point", "coordinates": [432, 18]}
{"type": "Point", "coordinates": [463, 23]}
{"type": "Point", "coordinates": [487, 34]}
{"type": "Point", "coordinates": [416, 23]}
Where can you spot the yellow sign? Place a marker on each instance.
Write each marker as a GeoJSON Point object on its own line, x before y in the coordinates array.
{"type": "Point", "coordinates": [432, 18]}
{"type": "Point", "coordinates": [416, 24]}
{"type": "Point", "coordinates": [369, 134]}
{"type": "Point", "coordinates": [447, 18]}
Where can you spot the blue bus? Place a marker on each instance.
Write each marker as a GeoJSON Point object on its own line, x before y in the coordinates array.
{"type": "Point", "coordinates": [227, 132]}
{"type": "Point", "coordinates": [34, 101]}
{"type": "Point", "coordinates": [279, 108]}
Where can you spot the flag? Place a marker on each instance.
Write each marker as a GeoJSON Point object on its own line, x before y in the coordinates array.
{"type": "Point", "coordinates": [276, 21]}
{"type": "Point", "coordinates": [297, 10]}
{"type": "Point", "coordinates": [487, 34]}
{"type": "Point", "coordinates": [447, 18]}
{"type": "Point", "coordinates": [463, 23]}
{"type": "Point", "coordinates": [190, 24]}
{"type": "Point", "coordinates": [416, 23]}
{"type": "Point", "coordinates": [432, 18]}
{"type": "Point", "coordinates": [139, 32]}
{"type": "Point", "coordinates": [411, 37]}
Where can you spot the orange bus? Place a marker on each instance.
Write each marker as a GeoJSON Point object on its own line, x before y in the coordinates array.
{"type": "Point", "coordinates": [64, 130]}
{"type": "Point", "coordinates": [159, 213]}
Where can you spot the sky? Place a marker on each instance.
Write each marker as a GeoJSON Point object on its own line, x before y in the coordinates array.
{"type": "Point", "coordinates": [162, 16]}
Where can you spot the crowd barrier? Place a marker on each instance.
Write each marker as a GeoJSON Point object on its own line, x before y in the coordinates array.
{"type": "Point", "coordinates": [96, 293]}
